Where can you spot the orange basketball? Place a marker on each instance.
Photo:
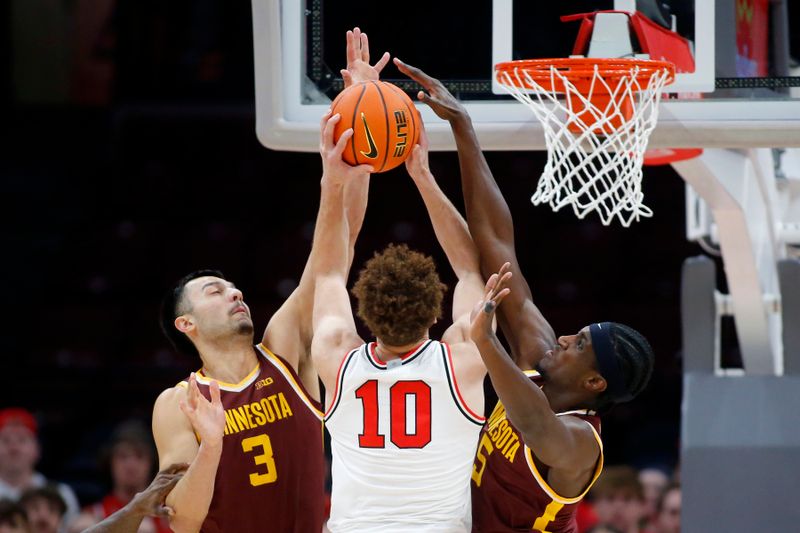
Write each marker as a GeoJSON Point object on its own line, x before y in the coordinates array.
{"type": "Point", "coordinates": [385, 124]}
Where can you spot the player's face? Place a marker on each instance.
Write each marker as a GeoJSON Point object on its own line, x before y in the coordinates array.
{"type": "Point", "coordinates": [216, 308]}
{"type": "Point", "coordinates": [569, 360]}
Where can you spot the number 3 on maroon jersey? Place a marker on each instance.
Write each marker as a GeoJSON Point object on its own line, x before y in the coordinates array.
{"type": "Point", "coordinates": [398, 394]}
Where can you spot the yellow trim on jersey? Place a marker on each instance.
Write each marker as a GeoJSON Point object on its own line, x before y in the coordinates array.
{"type": "Point", "coordinates": [236, 387]}
{"type": "Point", "coordinates": [531, 373]}
{"type": "Point", "coordinates": [548, 516]}
{"type": "Point", "coordinates": [275, 360]}
{"type": "Point", "coordinates": [553, 494]}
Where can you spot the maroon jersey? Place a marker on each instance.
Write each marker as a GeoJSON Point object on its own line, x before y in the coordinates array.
{"type": "Point", "coordinates": [271, 473]}
{"type": "Point", "coordinates": [509, 487]}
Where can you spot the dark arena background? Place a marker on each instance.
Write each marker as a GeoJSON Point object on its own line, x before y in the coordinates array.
{"type": "Point", "coordinates": [130, 158]}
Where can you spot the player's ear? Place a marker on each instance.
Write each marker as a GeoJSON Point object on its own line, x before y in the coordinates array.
{"type": "Point", "coordinates": [184, 323]}
{"type": "Point", "coordinates": [595, 383]}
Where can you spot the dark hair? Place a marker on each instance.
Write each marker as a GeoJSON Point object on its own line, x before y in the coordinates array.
{"type": "Point", "coordinates": [49, 493]}
{"type": "Point", "coordinates": [635, 358]}
{"type": "Point", "coordinates": [399, 294]}
{"type": "Point", "coordinates": [171, 309]}
{"type": "Point", "coordinates": [12, 514]}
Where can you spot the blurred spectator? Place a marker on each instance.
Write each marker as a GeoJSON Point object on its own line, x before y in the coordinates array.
{"type": "Point", "coordinates": [653, 481]}
{"type": "Point", "coordinates": [585, 517]}
{"type": "Point", "coordinates": [618, 499]}
{"type": "Point", "coordinates": [45, 509]}
{"type": "Point", "coordinates": [19, 453]}
{"type": "Point", "coordinates": [603, 529]}
{"type": "Point", "coordinates": [669, 510]}
{"type": "Point", "coordinates": [131, 461]}
{"type": "Point", "coordinates": [12, 518]}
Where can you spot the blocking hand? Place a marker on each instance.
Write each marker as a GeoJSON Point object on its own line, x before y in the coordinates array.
{"type": "Point", "coordinates": [444, 104]}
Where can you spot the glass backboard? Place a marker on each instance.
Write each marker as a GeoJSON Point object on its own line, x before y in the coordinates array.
{"type": "Point", "coordinates": [742, 92]}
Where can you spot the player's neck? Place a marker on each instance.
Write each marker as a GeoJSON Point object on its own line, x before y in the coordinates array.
{"type": "Point", "coordinates": [230, 362]}
{"type": "Point", "coordinates": [561, 400]}
{"type": "Point", "coordinates": [388, 352]}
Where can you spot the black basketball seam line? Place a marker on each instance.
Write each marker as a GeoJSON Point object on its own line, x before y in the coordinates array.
{"type": "Point", "coordinates": [386, 116]}
{"type": "Point", "coordinates": [353, 123]}
{"type": "Point", "coordinates": [410, 112]}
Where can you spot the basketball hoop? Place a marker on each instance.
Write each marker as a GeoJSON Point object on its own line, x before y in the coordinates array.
{"type": "Point", "coordinates": [597, 115]}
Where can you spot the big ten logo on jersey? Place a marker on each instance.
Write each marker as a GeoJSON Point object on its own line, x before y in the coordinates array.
{"type": "Point", "coordinates": [499, 437]}
{"type": "Point", "coordinates": [261, 383]}
{"type": "Point", "coordinates": [401, 131]}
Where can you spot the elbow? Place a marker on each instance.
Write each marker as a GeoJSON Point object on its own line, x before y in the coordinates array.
{"type": "Point", "coordinates": [183, 523]}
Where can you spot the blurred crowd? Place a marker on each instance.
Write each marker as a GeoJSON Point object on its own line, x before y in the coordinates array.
{"type": "Point", "coordinates": [32, 503]}
{"type": "Point", "coordinates": [623, 499]}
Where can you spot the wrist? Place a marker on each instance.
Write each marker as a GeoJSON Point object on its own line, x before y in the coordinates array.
{"type": "Point", "coordinates": [331, 181]}
{"type": "Point", "coordinates": [461, 119]}
{"type": "Point", "coordinates": [483, 338]}
{"type": "Point", "coordinates": [210, 447]}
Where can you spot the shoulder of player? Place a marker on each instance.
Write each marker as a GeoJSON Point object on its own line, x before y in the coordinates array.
{"type": "Point", "coordinates": [167, 407]}
{"type": "Point", "coordinates": [465, 358]}
{"type": "Point", "coordinates": [588, 445]}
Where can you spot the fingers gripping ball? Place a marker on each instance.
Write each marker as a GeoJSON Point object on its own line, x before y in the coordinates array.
{"type": "Point", "coordinates": [385, 124]}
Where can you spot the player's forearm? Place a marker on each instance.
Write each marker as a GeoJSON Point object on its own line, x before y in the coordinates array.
{"type": "Point", "coordinates": [192, 495]}
{"type": "Point", "coordinates": [526, 405]}
{"type": "Point", "coordinates": [487, 211]}
{"type": "Point", "coordinates": [450, 228]}
{"type": "Point", "coordinates": [356, 194]}
{"type": "Point", "coordinates": [123, 521]}
{"type": "Point", "coordinates": [329, 251]}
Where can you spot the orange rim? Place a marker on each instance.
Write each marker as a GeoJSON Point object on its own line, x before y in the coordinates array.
{"type": "Point", "coordinates": [580, 71]}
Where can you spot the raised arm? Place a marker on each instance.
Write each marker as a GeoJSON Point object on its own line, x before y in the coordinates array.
{"type": "Point", "coordinates": [450, 229]}
{"type": "Point", "coordinates": [454, 238]}
{"type": "Point", "coordinates": [527, 331]}
{"type": "Point", "coordinates": [180, 418]}
{"type": "Point", "coordinates": [564, 443]}
{"type": "Point", "coordinates": [290, 330]}
{"type": "Point", "coordinates": [334, 327]}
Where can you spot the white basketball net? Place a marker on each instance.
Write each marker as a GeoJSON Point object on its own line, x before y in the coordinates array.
{"type": "Point", "coordinates": [592, 170]}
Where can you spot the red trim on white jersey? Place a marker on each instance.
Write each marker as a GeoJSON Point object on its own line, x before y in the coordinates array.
{"type": "Point", "coordinates": [469, 413]}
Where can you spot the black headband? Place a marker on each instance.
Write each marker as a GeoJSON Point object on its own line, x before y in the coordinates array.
{"type": "Point", "coordinates": [607, 361]}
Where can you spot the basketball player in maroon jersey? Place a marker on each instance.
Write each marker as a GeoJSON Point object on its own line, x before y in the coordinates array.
{"type": "Point", "coordinates": [256, 458]}
{"type": "Point", "coordinates": [540, 450]}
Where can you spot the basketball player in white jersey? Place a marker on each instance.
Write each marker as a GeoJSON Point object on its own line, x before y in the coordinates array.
{"type": "Point", "coordinates": [404, 411]}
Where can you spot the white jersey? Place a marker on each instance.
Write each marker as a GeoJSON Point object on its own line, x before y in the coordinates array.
{"type": "Point", "coordinates": [403, 443]}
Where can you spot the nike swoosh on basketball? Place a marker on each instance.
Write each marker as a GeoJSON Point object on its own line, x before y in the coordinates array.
{"type": "Point", "coordinates": [373, 150]}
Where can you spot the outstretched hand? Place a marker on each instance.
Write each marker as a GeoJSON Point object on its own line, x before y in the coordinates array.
{"type": "Point", "coordinates": [358, 67]}
{"type": "Point", "coordinates": [334, 168]}
{"type": "Point", "coordinates": [150, 502]}
{"type": "Point", "coordinates": [483, 313]}
{"type": "Point", "coordinates": [207, 418]}
{"type": "Point", "coordinates": [444, 104]}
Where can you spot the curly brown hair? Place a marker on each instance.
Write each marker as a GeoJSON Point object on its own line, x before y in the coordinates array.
{"type": "Point", "coordinates": [399, 294]}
